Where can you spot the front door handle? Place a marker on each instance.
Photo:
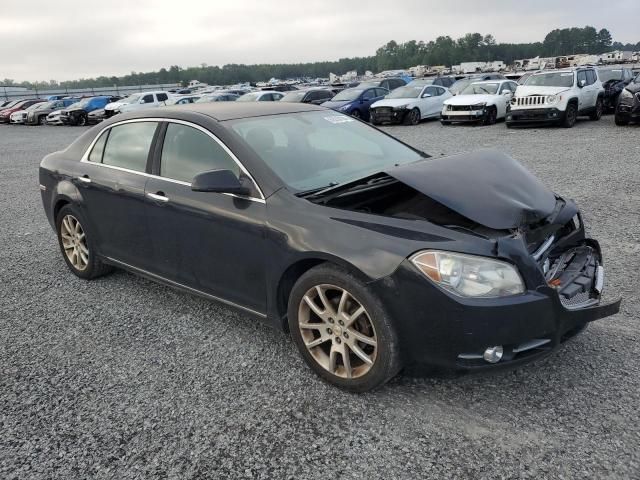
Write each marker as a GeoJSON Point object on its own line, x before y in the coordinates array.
{"type": "Point", "coordinates": [84, 179]}
{"type": "Point", "coordinates": [158, 197]}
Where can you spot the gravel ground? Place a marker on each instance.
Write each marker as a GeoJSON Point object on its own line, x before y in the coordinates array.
{"type": "Point", "coordinates": [123, 378]}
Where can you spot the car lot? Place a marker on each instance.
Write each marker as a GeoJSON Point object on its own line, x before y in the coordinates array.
{"type": "Point", "coordinates": [123, 378]}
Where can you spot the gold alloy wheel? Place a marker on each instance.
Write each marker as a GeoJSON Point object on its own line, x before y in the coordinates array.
{"type": "Point", "coordinates": [74, 242]}
{"type": "Point", "coordinates": [337, 331]}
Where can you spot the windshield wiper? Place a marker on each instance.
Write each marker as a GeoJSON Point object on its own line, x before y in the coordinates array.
{"type": "Point", "coordinates": [352, 187]}
{"type": "Point", "coordinates": [317, 191]}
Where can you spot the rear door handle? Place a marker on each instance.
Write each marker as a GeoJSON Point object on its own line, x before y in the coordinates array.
{"type": "Point", "coordinates": [84, 179]}
{"type": "Point", "coordinates": [158, 197]}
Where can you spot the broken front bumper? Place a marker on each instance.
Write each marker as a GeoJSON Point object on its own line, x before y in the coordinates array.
{"type": "Point", "coordinates": [467, 115]}
{"type": "Point", "coordinates": [388, 115]}
{"type": "Point", "coordinates": [440, 332]}
{"type": "Point", "coordinates": [534, 115]}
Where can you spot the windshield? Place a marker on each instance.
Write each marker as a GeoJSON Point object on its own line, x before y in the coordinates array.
{"type": "Point", "coordinates": [481, 89]}
{"type": "Point", "coordinates": [293, 97]}
{"type": "Point", "coordinates": [606, 75]}
{"type": "Point", "coordinates": [558, 79]}
{"type": "Point", "coordinates": [461, 85]}
{"type": "Point", "coordinates": [36, 106]}
{"type": "Point", "coordinates": [406, 92]}
{"type": "Point", "coordinates": [81, 103]}
{"type": "Point", "coordinates": [347, 95]}
{"type": "Point", "coordinates": [131, 98]}
{"type": "Point", "coordinates": [312, 150]}
{"type": "Point", "coordinates": [249, 97]}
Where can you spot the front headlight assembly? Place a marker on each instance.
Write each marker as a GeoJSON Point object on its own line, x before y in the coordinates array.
{"type": "Point", "coordinates": [479, 106]}
{"type": "Point", "coordinates": [401, 107]}
{"type": "Point", "coordinates": [551, 99]}
{"type": "Point", "coordinates": [469, 275]}
{"type": "Point", "coordinates": [626, 94]}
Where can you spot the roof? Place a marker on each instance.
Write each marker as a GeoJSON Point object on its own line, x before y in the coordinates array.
{"type": "Point", "coordinates": [222, 111]}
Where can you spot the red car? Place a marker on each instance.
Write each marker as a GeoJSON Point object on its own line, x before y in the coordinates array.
{"type": "Point", "coordinates": [6, 113]}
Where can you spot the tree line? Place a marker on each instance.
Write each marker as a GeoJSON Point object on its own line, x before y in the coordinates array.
{"type": "Point", "coordinates": [444, 50]}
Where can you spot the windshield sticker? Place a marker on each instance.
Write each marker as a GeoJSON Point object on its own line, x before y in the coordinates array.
{"type": "Point", "coordinates": [339, 119]}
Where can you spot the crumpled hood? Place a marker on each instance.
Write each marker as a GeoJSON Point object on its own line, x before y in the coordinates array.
{"type": "Point", "coordinates": [522, 91]}
{"type": "Point", "coordinates": [470, 99]}
{"type": "Point", "coordinates": [394, 102]}
{"type": "Point", "coordinates": [487, 187]}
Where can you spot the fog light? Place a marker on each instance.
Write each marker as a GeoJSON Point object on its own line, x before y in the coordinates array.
{"type": "Point", "coordinates": [493, 354]}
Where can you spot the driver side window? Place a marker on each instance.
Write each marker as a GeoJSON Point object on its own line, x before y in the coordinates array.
{"type": "Point", "coordinates": [187, 152]}
{"type": "Point", "coordinates": [368, 95]}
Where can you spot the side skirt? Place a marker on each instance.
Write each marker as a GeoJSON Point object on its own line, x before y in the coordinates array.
{"type": "Point", "coordinates": [179, 286]}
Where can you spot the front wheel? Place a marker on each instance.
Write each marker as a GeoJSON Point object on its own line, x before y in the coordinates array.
{"type": "Point", "coordinates": [570, 116]}
{"type": "Point", "coordinates": [356, 113]}
{"type": "Point", "coordinates": [342, 330]}
{"type": "Point", "coordinates": [413, 117]}
{"type": "Point", "coordinates": [491, 116]}
{"type": "Point", "coordinates": [82, 120]}
{"type": "Point", "coordinates": [597, 114]}
{"type": "Point", "coordinates": [42, 120]}
{"type": "Point", "coordinates": [621, 122]}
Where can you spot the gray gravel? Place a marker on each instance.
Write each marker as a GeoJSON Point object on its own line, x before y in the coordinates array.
{"type": "Point", "coordinates": [123, 378]}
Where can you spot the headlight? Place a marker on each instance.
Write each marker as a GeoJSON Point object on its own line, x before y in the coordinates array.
{"type": "Point", "coordinates": [551, 99]}
{"type": "Point", "coordinates": [626, 94]}
{"type": "Point", "coordinates": [400, 107]}
{"type": "Point", "coordinates": [345, 107]}
{"type": "Point", "coordinates": [469, 275]}
{"type": "Point", "coordinates": [479, 106]}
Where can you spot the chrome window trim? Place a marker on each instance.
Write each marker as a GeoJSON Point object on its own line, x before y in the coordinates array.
{"type": "Point", "coordinates": [85, 156]}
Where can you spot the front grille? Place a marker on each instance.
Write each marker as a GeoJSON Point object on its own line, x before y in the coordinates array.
{"type": "Point", "coordinates": [383, 110]}
{"type": "Point", "coordinates": [529, 101]}
{"type": "Point", "coordinates": [461, 108]}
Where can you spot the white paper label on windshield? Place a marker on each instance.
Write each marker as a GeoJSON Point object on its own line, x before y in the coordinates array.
{"type": "Point", "coordinates": [339, 119]}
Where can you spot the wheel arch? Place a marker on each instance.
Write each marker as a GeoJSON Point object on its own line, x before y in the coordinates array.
{"type": "Point", "coordinates": [293, 272]}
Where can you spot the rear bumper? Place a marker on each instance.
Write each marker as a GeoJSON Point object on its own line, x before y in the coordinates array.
{"type": "Point", "coordinates": [443, 333]}
{"type": "Point", "coordinates": [534, 115]}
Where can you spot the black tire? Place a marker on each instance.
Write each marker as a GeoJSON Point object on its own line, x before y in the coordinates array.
{"type": "Point", "coordinates": [597, 113]}
{"type": "Point", "coordinates": [82, 120]}
{"type": "Point", "coordinates": [570, 116]}
{"type": "Point", "coordinates": [621, 122]}
{"type": "Point", "coordinates": [509, 125]}
{"type": "Point", "coordinates": [387, 361]}
{"type": "Point", "coordinates": [42, 120]}
{"type": "Point", "coordinates": [413, 117]}
{"type": "Point", "coordinates": [491, 117]}
{"type": "Point", "coordinates": [94, 267]}
{"type": "Point", "coordinates": [356, 113]}
{"type": "Point", "coordinates": [445, 122]}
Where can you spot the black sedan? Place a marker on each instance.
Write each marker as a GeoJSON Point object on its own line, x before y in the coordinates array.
{"type": "Point", "coordinates": [372, 255]}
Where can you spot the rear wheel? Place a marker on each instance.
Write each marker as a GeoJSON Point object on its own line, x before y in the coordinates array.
{"type": "Point", "coordinates": [77, 246]}
{"type": "Point", "coordinates": [342, 330]}
{"type": "Point", "coordinates": [570, 116]}
{"type": "Point", "coordinates": [597, 113]}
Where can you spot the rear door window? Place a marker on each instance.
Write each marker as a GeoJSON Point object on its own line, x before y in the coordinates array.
{"type": "Point", "coordinates": [128, 145]}
{"type": "Point", "coordinates": [162, 97]}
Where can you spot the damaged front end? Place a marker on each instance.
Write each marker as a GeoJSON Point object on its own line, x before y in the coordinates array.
{"type": "Point", "coordinates": [494, 200]}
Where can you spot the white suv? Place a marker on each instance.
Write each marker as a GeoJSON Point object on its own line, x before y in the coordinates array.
{"type": "Point", "coordinates": [137, 101]}
{"type": "Point", "coordinates": [557, 96]}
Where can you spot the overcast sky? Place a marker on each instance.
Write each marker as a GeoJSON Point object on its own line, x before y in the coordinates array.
{"type": "Point", "coordinates": [69, 39]}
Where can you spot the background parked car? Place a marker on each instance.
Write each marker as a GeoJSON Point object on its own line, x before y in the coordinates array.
{"type": "Point", "coordinates": [483, 102]}
{"type": "Point", "coordinates": [628, 108]}
{"type": "Point", "coordinates": [445, 81]}
{"type": "Point", "coordinates": [389, 84]}
{"type": "Point", "coordinates": [5, 114]}
{"type": "Point", "coordinates": [54, 118]}
{"type": "Point", "coordinates": [261, 96]}
{"type": "Point", "coordinates": [95, 117]}
{"type": "Point", "coordinates": [316, 96]}
{"type": "Point", "coordinates": [614, 80]}
{"type": "Point", "coordinates": [39, 116]}
{"type": "Point", "coordinates": [19, 117]}
{"type": "Point", "coordinates": [217, 97]}
{"type": "Point", "coordinates": [356, 101]}
{"type": "Point", "coordinates": [463, 83]}
{"type": "Point", "coordinates": [139, 101]}
{"type": "Point", "coordinates": [182, 100]}
{"type": "Point", "coordinates": [409, 104]}
{"type": "Point", "coordinates": [77, 114]}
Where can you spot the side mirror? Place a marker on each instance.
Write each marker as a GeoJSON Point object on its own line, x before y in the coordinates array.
{"type": "Point", "coordinates": [426, 95]}
{"type": "Point", "coordinates": [582, 83]}
{"type": "Point", "coordinates": [219, 181]}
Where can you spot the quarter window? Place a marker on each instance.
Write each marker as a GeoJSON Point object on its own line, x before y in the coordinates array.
{"type": "Point", "coordinates": [128, 145]}
{"type": "Point", "coordinates": [187, 152]}
{"type": "Point", "coordinates": [98, 148]}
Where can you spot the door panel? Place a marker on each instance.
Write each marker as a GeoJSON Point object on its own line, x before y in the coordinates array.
{"type": "Point", "coordinates": [208, 241]}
